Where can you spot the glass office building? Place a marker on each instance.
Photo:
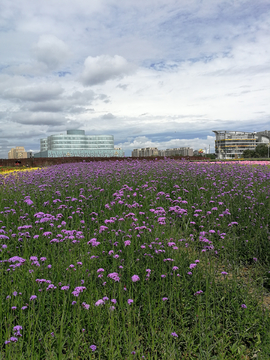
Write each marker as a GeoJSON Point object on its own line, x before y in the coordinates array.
{"type": "Point", "coordinates": [76, 143]}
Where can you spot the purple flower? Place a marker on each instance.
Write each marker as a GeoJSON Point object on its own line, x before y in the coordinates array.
{"type": "Point", "coordinates": [15, 293]}
{"type": "Point", "coordinates": [111, 308]}
{"type": "Point", "coordinates": [189, 273]}
{"type": "Point", "coordinates": [14, 307]}
{"type": "Point", "coordinates": [175, 268]}
{"type": "Point", "coordinates": [114, 276]}
{"type": "Point", "coordinates": [192, 266]}
{"type": "Point", "coordinates": [24, 307]}
{"type": "Point", "coordinates": [52, 333]}
{"type": "Point", "coordinates": [114, 301]}
{"type": "Point", "coordinates": [130, 301]}
{"type": "Point", "coordinates": [33, 297]}
{"type": "Point", "coordinates": [65, 288]}
{"type": "Point", "coordinates": [13, 339]}
{"type": "Point", "coordinates": [224, 273]}
{"type": "Point", "coordinates": [163, 276]}
{"type": "Point", "coordinates": [198, 292]}
{"type": "Point", "coordinates": [99, 302]}
{"type": "Point", "coordinates": [243, 306]}
{"type": "Point", "coordinates": [164, 299]}
{"type": "Point", "coordinates": [17, 328]}
{"type": "Point", "coordinates": [74, 302]}
{"type": "Point", "coordinates": [135, 278]}
{"type": "Point", "coordinates": [255, 259]}
{"type": "Point", "coordinates": [93, 347]}
{"type": "Point", "coordinates": [174, 334]}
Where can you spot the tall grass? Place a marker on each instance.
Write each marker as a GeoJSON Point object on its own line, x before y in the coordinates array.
{"type": "Point", "coordinates": [196, 236]}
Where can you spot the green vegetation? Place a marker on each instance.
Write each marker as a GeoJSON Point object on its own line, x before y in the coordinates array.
{"type": "Point", "coordinates": [135, 260]}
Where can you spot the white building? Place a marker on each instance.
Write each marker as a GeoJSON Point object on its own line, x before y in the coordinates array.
{"type": "Point", "coordinates": [231, 144]}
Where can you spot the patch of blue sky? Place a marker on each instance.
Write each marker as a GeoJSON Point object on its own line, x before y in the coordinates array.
{"type": "Point", "coordinates": [63, 73]}
{"type": "Point", "coordinates": [3, 67]}
{"type": "Point", "coordinates": [163, 66]}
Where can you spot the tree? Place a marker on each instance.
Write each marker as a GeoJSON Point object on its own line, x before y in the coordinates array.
{"type": "Point", "coordinates": [210, 156]}
{"type": "Point", "coordinates": [262, 150]}
{"type": "Point", "coordinates": [248, 153]}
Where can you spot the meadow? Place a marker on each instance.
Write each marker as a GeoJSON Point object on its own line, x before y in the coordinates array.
{"type": "Point", "coordinates": [135, 260]}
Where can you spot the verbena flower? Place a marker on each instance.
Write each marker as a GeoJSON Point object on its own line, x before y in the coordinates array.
{"type": "Point", "coordinates": [99, 302]}
{"type": "Point", "coordinates": [93, 347]}
{"type": "Point", "coordinates": [135, 278]}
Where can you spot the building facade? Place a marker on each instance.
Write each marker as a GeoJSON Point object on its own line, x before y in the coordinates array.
{"type": "Point", "coordinates": [182, 151]}
{"type": "Point", "coordinates": [231, 144]}
{"type": "Point", "coordinates": [76, 143]}
{"type": "Point", "coordinates": [17, 153]}
{"type": "Point", "coordinates": [143, 152]}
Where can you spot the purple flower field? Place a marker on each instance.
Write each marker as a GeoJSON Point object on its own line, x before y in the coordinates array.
{"type": "Point", "coordinates": [135, 260]}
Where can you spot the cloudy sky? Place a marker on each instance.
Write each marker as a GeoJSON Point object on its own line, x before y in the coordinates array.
{"type": "Point", "coordinates": [161, 73]}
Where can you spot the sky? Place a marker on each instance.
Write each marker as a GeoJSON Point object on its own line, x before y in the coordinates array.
{"type": "Point", "coordinates": [154, 73]}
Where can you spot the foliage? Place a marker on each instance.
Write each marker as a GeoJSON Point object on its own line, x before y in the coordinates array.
{"type": "Point", "coordinates": [135, 259]}
{"type": "Point", "coordinates": [261, 151]}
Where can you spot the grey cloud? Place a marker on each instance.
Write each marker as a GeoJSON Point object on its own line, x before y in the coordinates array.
{"type": "Point", "coordinates": [38, 119]}
{"type": "Point", "coordinates": [51, 51]}
{"type": "Point", "coordinates": [122, 86]}
{"type": "Point", "coordinates": [42, 92]}
{"type": "Point", "coordinates": [99, 69]}
{"type": "Point", "coordinates": [70, 124]}
{"type": "Point", "coordinates": [108, 116]}
{"type": "Point", "coordinates": [46, 107]}
{"type": "Point", "coordinates": [83, 97]}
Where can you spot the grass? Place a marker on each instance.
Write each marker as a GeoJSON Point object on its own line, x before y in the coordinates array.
{"type": "Point", "coordinates": [196, 236]}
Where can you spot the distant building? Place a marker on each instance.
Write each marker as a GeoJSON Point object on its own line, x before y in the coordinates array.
{"type": "Point", "coordinates": [76, 143]}
{"type": "Point", "coordinates": [143, 152]}
{"type": "Point", "coordinates": [183, 151]}
{"type": "Point", "coordinates": [17, 153]}
{"type": "Point", "coordinates": [199, 152]}
{"type": "Point", "coordinates": [30, 154]}
{"type": "Point", "coordinates": [231, 144]}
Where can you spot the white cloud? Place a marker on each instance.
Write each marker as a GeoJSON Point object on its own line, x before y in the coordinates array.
{"type": "Point", "coordinates": [144, 141]}
{"type": "Point", "coordinates": [99, 69]}
{"type": "Point", "coordinates": [199, 66]}
{"type": "Point", "coordinates": [40, 92]}
{"type": "Point", "coordinates": [51, 51]}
